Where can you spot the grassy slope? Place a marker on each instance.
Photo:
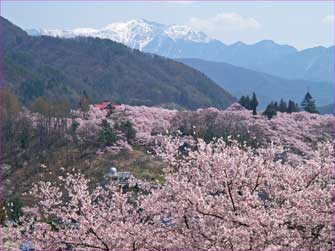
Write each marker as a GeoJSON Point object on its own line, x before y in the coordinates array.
{"type": "Point", "coordinates": [20, 178]}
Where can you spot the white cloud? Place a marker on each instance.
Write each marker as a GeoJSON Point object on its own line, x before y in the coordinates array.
{"type": "Point", "coordinates": [224, 22]}
{"type": "Point", "coordinates": [328, 19]}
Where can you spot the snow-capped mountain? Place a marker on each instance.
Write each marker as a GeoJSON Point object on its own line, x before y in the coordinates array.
{"type": "Point", "coordinates": [136, 34]}
{"type": "Point", "coordinates": [178, 41]}
{"type": "Point", "coordinates": [181, 41]}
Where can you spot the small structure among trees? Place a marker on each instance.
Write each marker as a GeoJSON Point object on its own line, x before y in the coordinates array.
{"type": "Point", "coordinates": [106, 105]}
{"type": "Point", "coordinates": [121, 177]}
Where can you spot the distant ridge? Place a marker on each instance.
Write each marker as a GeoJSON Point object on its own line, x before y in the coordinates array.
{"type": "Point", "coordinates": [240, 81]}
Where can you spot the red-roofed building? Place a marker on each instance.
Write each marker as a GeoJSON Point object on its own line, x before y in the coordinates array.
{"type": "Point", "coordinates": [107, 105]}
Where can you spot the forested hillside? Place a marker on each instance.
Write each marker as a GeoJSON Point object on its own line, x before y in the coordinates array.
{"type": "Point", "coordinates": [53, 67]}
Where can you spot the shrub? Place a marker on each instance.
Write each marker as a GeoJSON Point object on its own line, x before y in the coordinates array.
{"type": "Point", "coordinates": [128, 129]}
{"type": "Point", "coordinates": [106, 135]}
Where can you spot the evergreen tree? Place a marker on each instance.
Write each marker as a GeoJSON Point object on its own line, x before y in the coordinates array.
{"type": "Point", "coordinates": [84, 102]}
{"type": "Point", "coordinates": [282, 106]}
{"type": "Point", "coordinates": [276, 107]}
{"type": "Point", "coordinates": [127, 128]}
{"type": "Point", "coordinates": [10, 123]}
{"type": "Point", "coordinates": [270, 110]}
{"type": "Point", "coordinates": [254, 104]}
{"type": "Point", "coordinates": [308, 104]}
{"type": "Point", "coordinates": [106, 136]}
{"type": "Point", "coordinates": [248, 103]}
{"type": "Point", "coordinates": [245, 102]}
{"type": "Point", "coordinates": [292, 107]}
{"type": "Point", "coordinates": [41, 106]}
{"type": "Point", "coordinates": [242, 101]}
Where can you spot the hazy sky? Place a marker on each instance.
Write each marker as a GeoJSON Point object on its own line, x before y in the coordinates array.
{"type": "Point", "coordinates": [302, 24]}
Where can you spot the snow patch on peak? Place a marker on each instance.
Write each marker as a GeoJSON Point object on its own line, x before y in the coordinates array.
{"type": "Point", "coordinates": [84, 31]}
{"type": "Point", "coordinates": [136, 34]}
{"type": "Point", "coordinates": [186, 33]}
{"type": "Point", "coordinates": [58, 33]}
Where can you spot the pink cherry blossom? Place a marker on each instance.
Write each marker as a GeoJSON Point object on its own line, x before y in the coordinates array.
{"type": "Point", "coordinates": [219, 193]}
{"type": "Point", "coordinates": [218, 196]}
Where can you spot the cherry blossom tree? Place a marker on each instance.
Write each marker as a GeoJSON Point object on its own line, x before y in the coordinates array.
{"type": "Point", "coordinates": [72, 216]}
{"type": "Point", "coordinates": [299, 131]}
{"type": "Point", "coordinates": [216, 196]}
{"type": "Point", "coordinates": [222, 197]}
{"type": "Point", "coordinates": [147, 121]}
{"type": "Point", "coordinates": [233, 181]}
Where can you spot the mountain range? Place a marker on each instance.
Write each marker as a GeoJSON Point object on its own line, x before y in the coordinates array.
{"type": "Point", "coordinates": [241, 81]}
{"type": "Point", "coordinates": [55, 67]}
{"type": "Point", "coordinates": [136, 34]}
{"type": "Point", "coordinates": [35, 68]}
{"type": "Point", "coordinates": [181, 41]}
